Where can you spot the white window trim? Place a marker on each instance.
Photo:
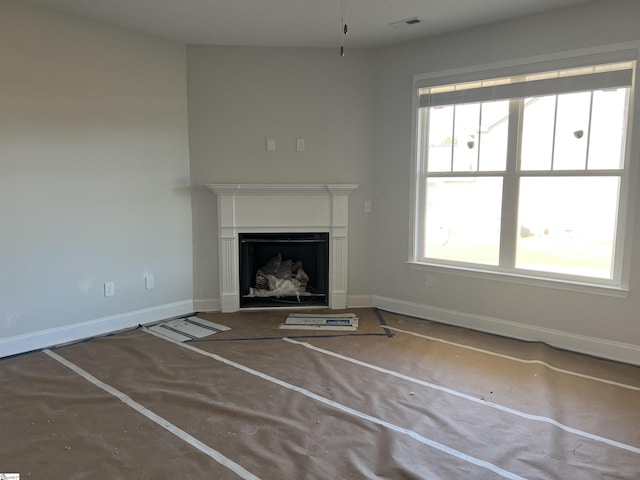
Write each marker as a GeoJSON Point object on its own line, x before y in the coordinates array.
{"type": "Point", "coordinates": [542, 279]}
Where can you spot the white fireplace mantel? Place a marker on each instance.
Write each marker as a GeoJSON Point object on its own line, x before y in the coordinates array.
{"type": "Point", "coordinates": [275, 208]}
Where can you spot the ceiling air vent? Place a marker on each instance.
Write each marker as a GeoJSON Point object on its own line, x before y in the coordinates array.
{"type": "Point", "coordinates": [407, 22]}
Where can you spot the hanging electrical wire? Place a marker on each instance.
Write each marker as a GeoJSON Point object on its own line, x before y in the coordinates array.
{"type": "Point", "coordinates": [344, 30]}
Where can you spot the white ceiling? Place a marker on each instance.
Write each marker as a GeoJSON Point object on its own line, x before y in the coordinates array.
{"type": "Point", "coordinates": [297, 23]}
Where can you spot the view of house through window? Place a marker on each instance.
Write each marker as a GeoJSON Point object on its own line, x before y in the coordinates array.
{"type": "Point", "coordinates": [525, 173]}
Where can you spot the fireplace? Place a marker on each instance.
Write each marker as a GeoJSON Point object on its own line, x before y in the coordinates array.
{"type": "Point", "coordinates": [284, 269]}
{"type": "Point", "coordinates": [265, 210]}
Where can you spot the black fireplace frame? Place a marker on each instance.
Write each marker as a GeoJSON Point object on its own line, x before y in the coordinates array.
{"type": "Point", "coordinates": [312, 248]}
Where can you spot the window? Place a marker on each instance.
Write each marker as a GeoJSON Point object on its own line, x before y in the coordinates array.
{"type": "Point", "coordinates": [526, 172]}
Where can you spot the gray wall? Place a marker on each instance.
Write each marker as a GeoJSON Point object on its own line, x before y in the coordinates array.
{"type": "Point", "coordinates": [240, 96]}
{"type": "Point", "coordinates": [476, 300]}
{"type": "Point", "coordinates": [96, 183]}
{"type": "Point", "coordinates": [94, 172]}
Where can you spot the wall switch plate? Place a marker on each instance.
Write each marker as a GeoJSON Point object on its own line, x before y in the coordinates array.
{"type": "Point", "coordinates": [109, 289]}
{"type": "Point", "coordinates": [149, 281]}
{"type": "Point", "coordinates": [271, 144]}
{"type": "Point", "coordinates": [300, 145]}
{"type": "Point", "coordinates": [368, 206]}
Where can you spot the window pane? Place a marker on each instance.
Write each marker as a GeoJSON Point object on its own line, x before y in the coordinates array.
{"type": "Point", "coordinates": [567, 225]}
{"type": "Point", "coordinates": [465, 140]}
{"type": "Point", "coordinates": [463, 219]}
{"type": "Point", "coordinates": [494, 136]}
{"type": "Point", "coordinates": [440, 139]}
{"type": "Point", "coordinates": [550, 147]}
{"type": "Point", "coordinates": [537, 133]}
{"type": "Point", "coordinates": [572, 131]}
{"type": "Point", "coordinates": [608, 127]}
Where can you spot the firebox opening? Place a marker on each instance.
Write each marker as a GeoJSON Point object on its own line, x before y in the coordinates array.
{"type": "Point", "coordinates": [284, 269]}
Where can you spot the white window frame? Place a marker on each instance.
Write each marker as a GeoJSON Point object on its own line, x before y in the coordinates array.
{"type": "Point", "coordinates": [618, 286]}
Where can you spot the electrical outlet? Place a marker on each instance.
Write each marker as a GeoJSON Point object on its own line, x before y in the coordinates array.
{"type": "Point", "coordinates": [428, 280]}
{"type": "Point", "coordinates": [109, 289]}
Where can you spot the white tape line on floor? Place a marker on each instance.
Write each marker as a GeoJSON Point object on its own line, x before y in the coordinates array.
{"type": "Point", "coordinates": [528, 416]}
{"type": "Point", "coordinates": [416, 436]}
{"type": "Point", "coordinates": [124, 398]}
{"type": "Point", "coordinates": [516, 359]}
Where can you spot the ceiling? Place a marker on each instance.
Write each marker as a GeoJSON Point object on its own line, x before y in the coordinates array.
{"type": "Point", "coordinates": [297, 23]}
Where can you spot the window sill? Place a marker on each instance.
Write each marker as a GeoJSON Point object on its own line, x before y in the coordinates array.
{"type": "Point", "coordinates": [522, 279]}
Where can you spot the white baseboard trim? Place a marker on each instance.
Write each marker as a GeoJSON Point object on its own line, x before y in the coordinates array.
{"type": "Point", "coordinates": [358, 301]}
{"type": "Point", "coordinates": [206, 305]}
{"type": "Point", "coordinates": [71, 333]}
{"type": "Point", "coordinates": [622, 352]}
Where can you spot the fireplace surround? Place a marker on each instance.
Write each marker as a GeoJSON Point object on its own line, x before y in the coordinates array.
{"type": "Point", "coordinates": [281, 209]}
